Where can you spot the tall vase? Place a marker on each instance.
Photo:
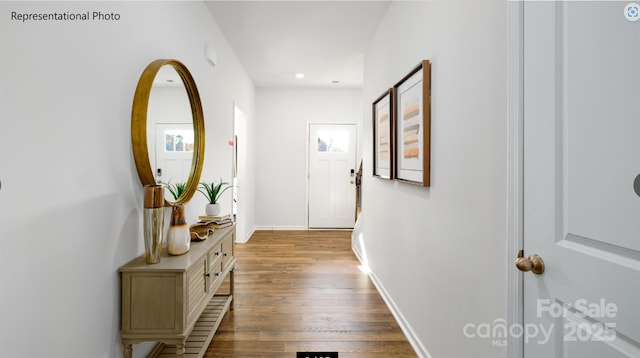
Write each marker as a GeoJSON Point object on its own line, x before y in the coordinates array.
{"type": "Point", "coordinates": [179, 239]}
{"type": "Point", "coordinates": [153, 222]}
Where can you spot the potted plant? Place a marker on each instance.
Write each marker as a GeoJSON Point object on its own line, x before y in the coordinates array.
{"type": "Point", "coordinates": [176, 189]}
{"type": "Point", "coordinates": [212, 192]}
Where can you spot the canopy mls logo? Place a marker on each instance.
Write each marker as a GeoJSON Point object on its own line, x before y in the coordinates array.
{"type": "Point", "coordinates": [583, 321]}
{"type": "Point", "coordinates": [498, 332]}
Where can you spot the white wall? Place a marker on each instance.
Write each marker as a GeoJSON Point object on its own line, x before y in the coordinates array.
{"type": "Point", "coordinates": [439, 253]}
{"type": "Point", "coordinates": [283, 116]}
{"type": "Point", "coordinates": [71, 200]}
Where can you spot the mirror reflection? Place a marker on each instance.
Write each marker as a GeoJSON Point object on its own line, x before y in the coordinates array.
{"type": "Point", "coordinates": [170, 129]}
{"type": "Point", "coordinates": [167, 129]}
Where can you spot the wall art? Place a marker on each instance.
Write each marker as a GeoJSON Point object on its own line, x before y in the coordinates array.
{"type": "Point", "coordinates": [412, 108]}
{"type": "Point", "coordinates": [383, 135]}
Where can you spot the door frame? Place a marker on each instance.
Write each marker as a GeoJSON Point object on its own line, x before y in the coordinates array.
{"type": "Point", "coordinates": [308, 167]}
{"type": "Point", "coordinates": [515, 165]}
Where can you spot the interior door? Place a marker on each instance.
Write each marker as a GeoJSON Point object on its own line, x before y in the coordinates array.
{"type": "Point", "coordinates": [332, 176]}
{"type": "Point", "coordinates": [581, 157]}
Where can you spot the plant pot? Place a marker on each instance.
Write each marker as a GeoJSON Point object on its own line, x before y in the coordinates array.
{"type": "Point", "coordinates": [213, 209]}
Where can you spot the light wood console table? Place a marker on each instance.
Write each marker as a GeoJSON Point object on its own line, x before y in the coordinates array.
{"type": "Point", "coordinates": [176, 302]}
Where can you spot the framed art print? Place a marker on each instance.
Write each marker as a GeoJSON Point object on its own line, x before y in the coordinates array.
{"type": "Point", "coordinates": [413, 126]}
{"type": "Point", "coordinates": [383, 135]}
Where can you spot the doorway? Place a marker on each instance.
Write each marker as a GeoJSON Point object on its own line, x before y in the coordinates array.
{"type": "Point", "coordinates": [332, 176]}
{"type": "Point", "coordinates": [238, 160]}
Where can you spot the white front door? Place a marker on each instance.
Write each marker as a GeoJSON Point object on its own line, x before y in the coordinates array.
{"type": "Point", "coordinates": [581, 158]}
{"type": "Point", "coordinates": [173, 153]}
{"type": "Point", "coordinates": [332, 165]}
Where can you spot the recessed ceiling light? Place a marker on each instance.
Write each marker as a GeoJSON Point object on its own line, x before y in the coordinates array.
{"type": "Point", "coordinates": [299, 75]}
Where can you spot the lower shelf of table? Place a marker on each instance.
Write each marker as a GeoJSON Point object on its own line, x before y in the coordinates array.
{"type": "Point", "coordinates": [203, 331]}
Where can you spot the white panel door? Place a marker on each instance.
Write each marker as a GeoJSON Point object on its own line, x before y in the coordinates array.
{"type": "Point", "coordinates": [581, 157]}
{"type": "Point", "coordinates": [173, 153]}
{"type": "Point", "coordinates": [332, 164]}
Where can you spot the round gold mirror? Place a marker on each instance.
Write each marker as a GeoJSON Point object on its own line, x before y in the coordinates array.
{"type": "Point", "coordinates": [167, 129]}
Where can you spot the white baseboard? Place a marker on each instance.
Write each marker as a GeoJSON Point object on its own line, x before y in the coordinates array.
{"type": "Point", "coordinates": [413, 339]}
{"type": "Point", "coordinates": [247, 236]}
{"type": "Point", "coordinates": [357, 252]}
{"type": "Point", "coordinates": [329, 229]}
{"type": "Point", "coordinates": [274, 228]}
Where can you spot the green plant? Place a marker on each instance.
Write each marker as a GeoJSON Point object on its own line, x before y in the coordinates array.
{"type": "Point", "coordinates": [213, 191]}
{"type": "Point", "coordinates": [176, 189]}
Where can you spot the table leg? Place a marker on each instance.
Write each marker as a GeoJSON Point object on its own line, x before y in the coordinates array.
{"type": "Point", "coordinates": [180, 351]}
{"type": "Point", "coordinates": [127, 350]}
{"type": "Point", "coordinates": [231, 287]}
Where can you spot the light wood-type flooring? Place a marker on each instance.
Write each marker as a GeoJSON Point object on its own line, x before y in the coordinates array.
{"type": "Point", "coordinates": [301, 291]}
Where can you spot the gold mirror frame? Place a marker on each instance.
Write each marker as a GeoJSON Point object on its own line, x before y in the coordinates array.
{"type": "Point", "coordinates": [139, 127]}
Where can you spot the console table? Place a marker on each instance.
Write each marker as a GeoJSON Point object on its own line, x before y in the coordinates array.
{"type": "Point", "coordinates": [176, 302]}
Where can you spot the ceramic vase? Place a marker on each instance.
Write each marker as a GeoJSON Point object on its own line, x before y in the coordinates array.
{"type": "Point", "coordinates": [213, 209]}
{"type": "Point", "coordinates": [179, 238]}
{"type": "Point", "coordinates": [153, 222]}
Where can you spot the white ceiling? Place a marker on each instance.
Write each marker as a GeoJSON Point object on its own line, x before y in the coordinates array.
{"type": "Point", "coordinates": [325, 40]}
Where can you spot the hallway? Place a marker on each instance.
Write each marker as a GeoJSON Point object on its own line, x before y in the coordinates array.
{"type": "Point", "coordinates": [301, 291]}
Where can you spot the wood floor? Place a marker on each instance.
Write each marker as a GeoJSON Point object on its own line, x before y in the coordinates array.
{"type": "Point", "coordinates": [301, 291]}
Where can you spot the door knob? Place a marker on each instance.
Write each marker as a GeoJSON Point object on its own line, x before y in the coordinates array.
{"type": "Point", "coordinates": [532, 263]}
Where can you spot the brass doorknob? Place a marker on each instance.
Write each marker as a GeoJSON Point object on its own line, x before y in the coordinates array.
{"type": "Point", "coordinates": [532, 263]}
